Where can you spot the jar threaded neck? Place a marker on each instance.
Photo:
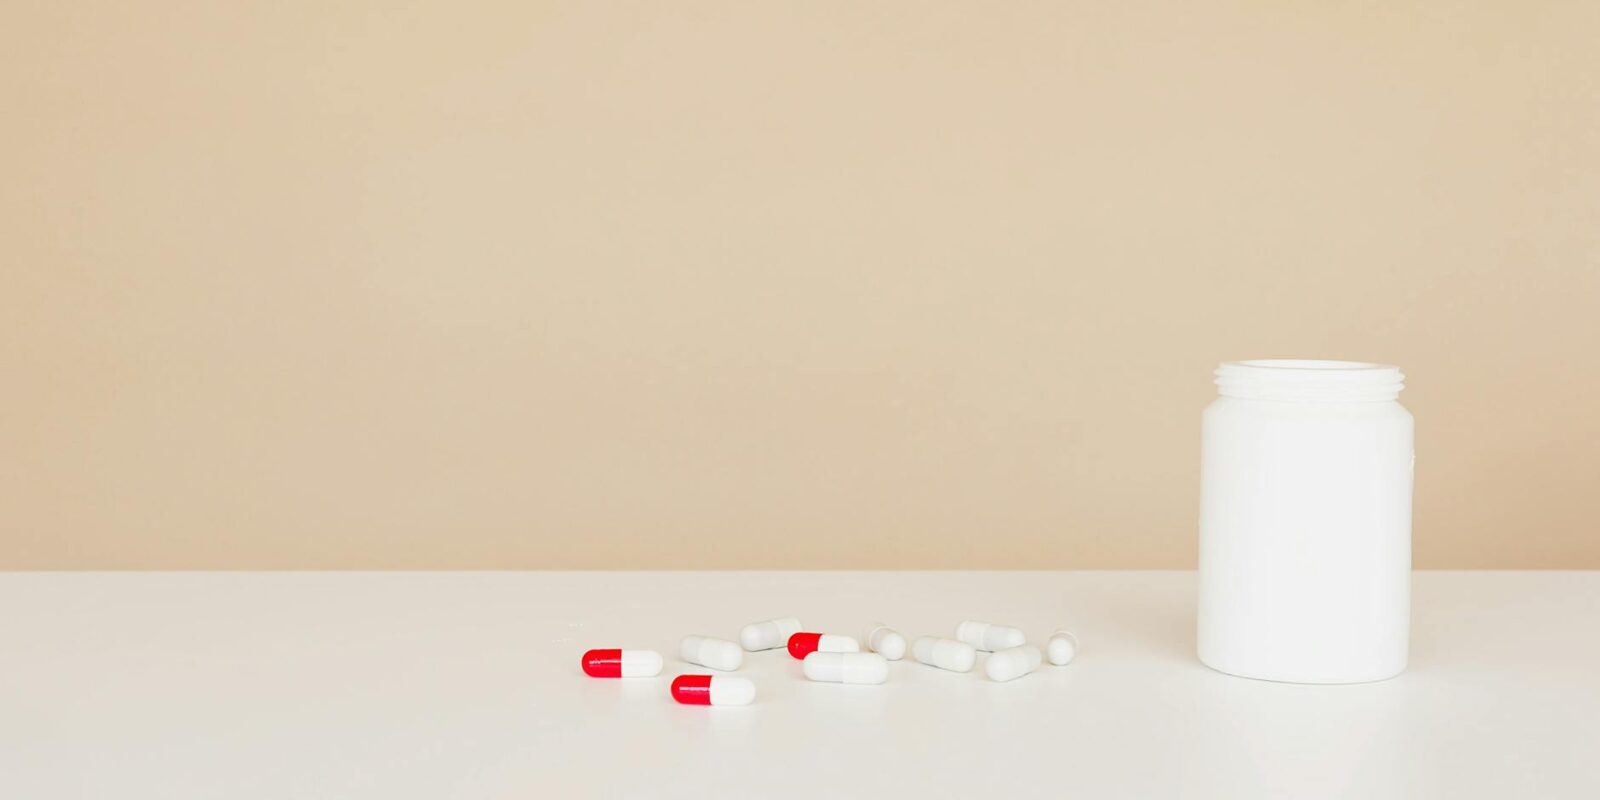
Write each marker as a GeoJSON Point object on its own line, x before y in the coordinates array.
{"type": "Point", "coordinates": [1310, 381]}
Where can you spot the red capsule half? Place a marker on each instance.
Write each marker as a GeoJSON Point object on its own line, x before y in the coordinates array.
{"type": "Point", "coordinates": [694, 690]}
{"type": "Point", "coordinates": [803, 644]}
{"type": "Point", "coordinates": [603, 663]}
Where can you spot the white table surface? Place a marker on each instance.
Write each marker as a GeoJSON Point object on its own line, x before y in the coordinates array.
{"type": "Point", "coordinates": [467, 685]}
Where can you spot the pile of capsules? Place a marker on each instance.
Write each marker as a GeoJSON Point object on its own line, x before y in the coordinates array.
{"type": "Point", "coordinates": [832, 657]}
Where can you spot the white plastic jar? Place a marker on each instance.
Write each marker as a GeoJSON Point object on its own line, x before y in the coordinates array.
{"type": "Point", "coordinates": [1305, 522]}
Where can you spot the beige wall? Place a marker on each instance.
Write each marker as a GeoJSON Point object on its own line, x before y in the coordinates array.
{"type": "Point", "coordinates": [749, 284]}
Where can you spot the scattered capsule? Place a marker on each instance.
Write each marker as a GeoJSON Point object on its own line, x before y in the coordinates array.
{"type": "Point", "coordinates": [944, 653]}
{"type": "Point", "coordinates": [886, 641]}
{"type": "Point", "coordinates": [707, 690]}
{"type": "Point", "coordinates": [621, 663]}
{"type": "Point", "coordinates": [847, 667]}
{"type": "Point", "coordinates": [804, 644]}
{"type": "Point", "coordinates": [1012, 663]}
{"type": "Point", "coordinates": [987, 636]}
{"type": "Point", "coordinates": [714, 653]}
{"type": "Point", "coordinates": [1062, 647]}
{"type": "Point", "coordinates": [769, 634]}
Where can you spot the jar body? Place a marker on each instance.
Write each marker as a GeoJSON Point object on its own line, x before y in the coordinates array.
{"type": "Point", "coordinates": [1305, 539]}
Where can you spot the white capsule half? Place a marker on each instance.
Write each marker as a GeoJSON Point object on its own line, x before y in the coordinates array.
{"type": "Point", "coordinates": [944, 653]}
{"type": "Point", "coordinates": [1012, 663]}
{"type": "Point", "coordinates": [732, 691]}
{"type": "Point", "coordinates": [886, 641]}
{"type": "Point", "coordinates": [1061, 648]}
{"type": "Point", "coordinates": [837, 643]}
{"type": "Point", "coordinates": [987, 636]}
{"type": "Point", "coordinates": [708, 652]}
{"type": "Point", "coordinates": [640, 663]}
{"type": "Point", "coordinates": [847, 667]}
{"type": "Point", "coordinates": [769, 634]}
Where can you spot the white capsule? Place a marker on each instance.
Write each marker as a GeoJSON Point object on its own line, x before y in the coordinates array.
{"type": "Point", "coordinates": [708, 652]}
{"type": "Point", "coordinates": [885, 641]}
{"type": "Point", "coordinates": [847, 667]}
{"type": "Point", "coordinates": [1012, 663]}
{"type": "Point", "coordinates": [944, 653]}
{"type": "Point", "coordinates": [1062, 647]}
{"type": "Point", "coordinates": [769, 634]}
{"type": "Point", "coordinates": [987, 636]}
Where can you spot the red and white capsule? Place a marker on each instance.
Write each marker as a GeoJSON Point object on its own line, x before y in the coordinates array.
{"type": "Point", "coordinates": [804, 644]}
{"type": "Point", "coordinates": [713, 690]}
{"type": "Point", "coordinates": [621, 663]}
